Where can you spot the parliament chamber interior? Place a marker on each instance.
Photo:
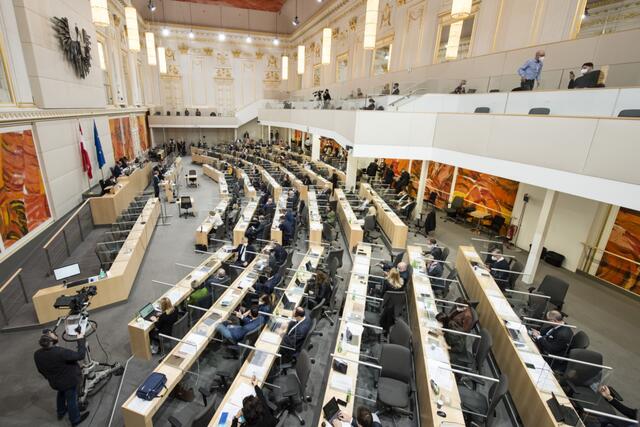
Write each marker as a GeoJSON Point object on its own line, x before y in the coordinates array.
{"type": "Point", "coordinates": [338, 213]}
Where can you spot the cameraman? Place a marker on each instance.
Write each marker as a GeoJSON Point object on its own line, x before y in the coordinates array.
{"type": "Point", "coordinates": [60, 367]}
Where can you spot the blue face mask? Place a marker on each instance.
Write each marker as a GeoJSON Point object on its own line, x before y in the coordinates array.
{"type": "Point", "coordinates": [241, 420]}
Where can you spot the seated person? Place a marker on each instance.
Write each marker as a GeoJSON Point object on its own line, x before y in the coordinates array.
{"type": "Point", "coordinates": [116, 170]}
{"type": "Point", "coordinates": [106, 185]}
{"type": "Point", "coordinates": [287, 230]}
{"type": "Point", "coordinates": [553, 339]}
{"type": "Point", "coordinates": [297, 332]}
{"type": "Point", "coordinates": [434, 268]}
{"type": "Point", "coordinates": [245, 253]}
{"type": "Point", "coordinates": [393, 281]}
{"type": "Point", "coordinates": [270, 281]}
{"type": "Point", "coordinates": [432, 248]}
{"type": "Point", "coordinates": [249, 321]}
{"type": "Point", "coordinates": [364, 418]}
{"type": "Point", "coordinates": [163, 323]}
{"type": "Point", "coordinates": [623, 409]}
{"type": "Point", "coordinates": [319, 289]}
{"type": "Point", "coordinates": [200, 296]}
{"type": "Point", "coordinates": [402, 269]}
{"type": "Point", "coordinates": [255, 411]}
{"type": "Point", "coordinates": [331, 218]}
{"type": "Point", "coordinates": [459, 318]}
{"type": "Point", "coordinates": [362, 206]}
{"type": "Point", "coordinates": [216, 220]}
{"type": "Point", "coordinates": [588, 77]}
{"type": "Point", "coordinates": [404, 207]}
{"type": "Point", "coordinates": [500, 263]}
{"type": "Point", "coordinates": [220, 278]}
{"type": "Point", "coordinates": [269, 207]}
{"type": "Point", "coordinates": [277, 256]}
{"type": "Point", "coordinates": [371, 211]}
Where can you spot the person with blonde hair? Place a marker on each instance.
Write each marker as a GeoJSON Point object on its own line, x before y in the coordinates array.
{"type": "Point", "coordinates": [163, 323]}
{"type": "Point", "coordinates": [393, 281]}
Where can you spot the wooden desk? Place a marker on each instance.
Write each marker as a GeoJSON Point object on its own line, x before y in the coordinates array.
{"type": "Point", "coordinates": [530, 389]}
{"type": "Point", "coordinates": [249, 189]}
{"type": "Point", "coordinates": [350, 223]}
{"type": "Point", "coordinates": [431, 355]}
{"type": "Point", "coordinates": [170, 178]}
{"type": "Point", "coordinates": [342, 177]}
{"type": "Point", "coordinates": [120, 277]}
{"type": "Point", "coordinates": [354, 308]}
{"type": "Point", "coordinates": [281, 209]}
{"type": "Point", "coordinates": [213, 173]}
{"type": "Point", "coordinates": [259, 363]}
{"type": "Point", "coordinates": [296, 182]}
{"type": "Point", "coordinates": [105, 209]}
{"type": "Point", "coordinates": [139, 328]}
{"type": "Point", "coordinates": [315, 220]}
{"type": "Point", "coordinates": [138, 412]}
{"type": "Point", "coordinates": [320, 182]}
{"type": "Point", "coordinates": [243, 222]}
{"type": "Point", "coordinates": [391, 224]}
{"type": "Point", "coordinates": [202, 232]}
{"type": "Point", "coordinates": [276, 189]}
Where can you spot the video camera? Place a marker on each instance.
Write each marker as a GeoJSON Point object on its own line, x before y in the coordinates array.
{"type": "Point", "coordinates": [76, 303]}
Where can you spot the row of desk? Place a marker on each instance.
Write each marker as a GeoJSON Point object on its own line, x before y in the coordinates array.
{"type": "Point", "coordinates": [351, 225]}
{"type": "Point", "coordinates": [530, 388]}
{"type": "Point", "coordinates": [202, 233]}
{"type": "Point", "coordinates": [243, 222]}
{"type": "Point", "coordinates": [314, 220]}
{"type": "Point", "coordinates": [259, 362]}
{"type": "Point", "coordinates": [171, 177]}
{"type": "Point", "coordinates": [139, 412]}
{"type": "Point", "coordinates": [281, 209]}
{"type": "Point", "coordinates": [106, 208]}
{"type": "Point", "coordinates": [395, 229]}
{"type": "Point", "coordinates": [117, 284]}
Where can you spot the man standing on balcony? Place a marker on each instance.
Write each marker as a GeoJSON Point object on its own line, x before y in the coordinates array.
{"type": "Point", "coordinates": [530, 71]}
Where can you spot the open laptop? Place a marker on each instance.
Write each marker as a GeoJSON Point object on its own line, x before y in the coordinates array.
{"type": "Point", "coordinates": [287, 304]}
{"type": "Point", "coordinates": [562, 413]}
{"type": "Point", "coordinates": [147, 311]}
{"type": "Point", "coordinates": [331, 410]}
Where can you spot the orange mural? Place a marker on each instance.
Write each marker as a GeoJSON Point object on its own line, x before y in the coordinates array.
{"type": "Point", "coordinates": [23, 200]}
{"type": "Point", "coordinates": [121, 140]}
{"type": "Point", "coordinates": [490, 193]}
{"type": "Point", "coordinates": [416, 167]}
{"type": "Point", "coordinates": [142, 133]}
{"type": "Point", "coordinates": [439, 178]}
{"type": "Point", "coordinates": [624, 241]}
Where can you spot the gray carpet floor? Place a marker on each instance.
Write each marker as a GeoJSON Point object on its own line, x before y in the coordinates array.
{"type": "Point", "coordinates": [608, 317]}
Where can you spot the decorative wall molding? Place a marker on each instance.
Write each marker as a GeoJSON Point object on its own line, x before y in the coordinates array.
{"type": "Point", "coordinates": [23, 116]}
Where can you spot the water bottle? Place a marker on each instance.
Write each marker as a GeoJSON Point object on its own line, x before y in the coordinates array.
{"type": "Point", "coordinates": [348, 396]}
{"type": "Point", "coordinates": [102, 274]}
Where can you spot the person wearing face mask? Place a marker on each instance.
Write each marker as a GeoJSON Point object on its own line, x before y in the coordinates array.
{"type": "Point", "coordinates": [499, 268]}
{"type": "Point", "coordinates": [461, 88]}
{"type": "Point", "coordinates": [530, 72]}
{"type": "Point", "coordinates": [588, 77]}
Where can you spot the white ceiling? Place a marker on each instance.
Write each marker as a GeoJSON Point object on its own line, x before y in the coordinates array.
{"type": "Point", "coordinates": [204, 15]}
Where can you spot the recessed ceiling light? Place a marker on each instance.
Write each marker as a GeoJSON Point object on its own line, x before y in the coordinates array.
{"type": "Point", "coordinates": [276, 41]}
{"type": "Point", "coordinates": [222, 37]}
{"type": "Point", "coordinates": [165, 32]}
{"type": "Point", "coordinates": [191, 35]}
{"type": "Point", "coordinates": [248, 39]}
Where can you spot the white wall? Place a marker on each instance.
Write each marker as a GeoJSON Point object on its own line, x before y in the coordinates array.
{"type": "Point", "coordinates": [571, 222]}
{"type": "Point", "coordinates": [59, 150]}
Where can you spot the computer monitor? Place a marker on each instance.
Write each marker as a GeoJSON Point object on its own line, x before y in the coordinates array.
{"type": "Point", "coordinates": [67, 271]}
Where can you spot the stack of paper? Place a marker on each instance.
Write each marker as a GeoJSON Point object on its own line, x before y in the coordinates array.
{"type": "Point", "coordinates": [341, 382]}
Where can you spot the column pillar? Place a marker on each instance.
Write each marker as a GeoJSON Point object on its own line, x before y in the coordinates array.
{"type": "Point", "coordinates": [269, 133]}
{"type": "Point", "coordinates": [315, 147]}
{"type": "Point", "coordinates": [422, 184]}
{"type": "Point", "coordinates": [235, 134]}
{"type": "Point", "coordinates": [539, 236]}
{"type": "Point", "coordinates": [289, 138]}
{"type": "Point", "coordinates": [453, 184]}
{"type": "Point", "coordinates": [352, 172]}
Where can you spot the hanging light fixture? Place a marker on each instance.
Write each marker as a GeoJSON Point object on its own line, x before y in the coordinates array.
{"type": "Point", "coordinates": [248, 39]}
{"type": "Point", "coordinates": [103, 62]}
{"type": "Point", "coordinates": [276, 41]}
{"type": "Point", "coordinates": [151, 48]}
{"type": "Point", "coordinates": [461, 9]}
{"type": "Point", "coordinates": [326, 46]}
{"type": "Point", "coordinates": [191, 33]}
{"type": "Point", "coordinates": [285, 67]}
{"type": "Point", "coordinates": [453, 44]}
{"type": "Point", "coordinates": [131, 19]}
{"type": "Point", "coordinates": [301, 59]}
{"type": "Point", "coordinates": [162, 61]}
{"type": "Point", "coordinates": [370, 24]}
{"type": "Point", "coordinates": [165, 30]}
{"type": "Point", "coordinates": [100, 13]}
{"type": "Point", "coordinates": [295, 22]}
{"type": "Point", "coordinates": [221, 35]}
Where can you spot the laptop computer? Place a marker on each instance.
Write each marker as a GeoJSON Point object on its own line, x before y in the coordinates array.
{"type": "Point", "coordinates": [562, 413]}
{"type": "Point", "coordinates": [331, 410]}
{"type": "Point", "coordinates": [147, 311]}
{"type": "Point", "coordinates": [287, 304]}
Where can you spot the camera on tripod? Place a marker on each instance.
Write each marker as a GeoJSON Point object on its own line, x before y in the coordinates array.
{"type": "Point", "coordinates": [77, 321]}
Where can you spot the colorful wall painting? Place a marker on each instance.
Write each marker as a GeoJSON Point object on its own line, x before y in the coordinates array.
{"type": "Point", "coordinates": [625, 242]}
{"type": "Point", "coordinates": [121, 139]}
{"type": "Point", "coordinates": [439, 178]}
{"type": "Point", "coordinates": [490, 193]}
{"type": "Point", "coordinates": [142, 133]}
{"type": "Point", "coordinates": [23, 199]}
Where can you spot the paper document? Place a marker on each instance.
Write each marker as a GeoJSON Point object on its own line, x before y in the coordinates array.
{"type": "Point", "coordinates": [270, 337]}
{"type": "Point", "coordinates": [231, 411]}
{"type": "Point", "coordinates": [436, 352]}
{"type": "Point", "coordinates": [243, 390]}
{"type": "Point", "coordinates": [341, 382]}
{"type": "Point", "coordinates": [175, 295]}
{"type": "Point", "coordinates": [139, 405]}
{"type": "Point", "coordinates": [440, 373]}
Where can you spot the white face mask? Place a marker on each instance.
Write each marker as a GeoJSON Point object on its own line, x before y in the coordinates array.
{"type": "Point", "coordinates": [541, 59]}
{"type": "Point", "coordinates": [494, 258]}
{"type": "Point", "coordinates": [584, 71]}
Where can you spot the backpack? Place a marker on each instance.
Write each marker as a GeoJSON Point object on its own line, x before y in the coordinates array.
{"type": "Point", "coordinates": [152, 386]}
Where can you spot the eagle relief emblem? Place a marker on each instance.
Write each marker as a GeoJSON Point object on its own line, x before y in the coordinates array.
{"type": "Point", "coordinates": [76, 47]}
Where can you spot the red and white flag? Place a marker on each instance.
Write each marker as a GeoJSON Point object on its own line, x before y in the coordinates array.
{"type": "Point", "coordinates": [86, 161]}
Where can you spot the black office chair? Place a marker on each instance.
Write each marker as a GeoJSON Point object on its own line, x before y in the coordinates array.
{"type": "Point", "coordinates": [540, 111]}
{"type": "Point", "coordinates": [400, 334]}
{"type": "Point", "coordinates": [178, 330]}
{"type": "Point", "coordinates": [397, 258]}
{"type": "Point", "coordinates": [291, 388]}
{"type": "Point", "coordinates": [445, 253]}
{"type": "Point", "coordinates": [370, 234]}
{"type": "Point", "coordinates": [188, 418]}
{"type": "Point", "coordinates": [516, 267]}
{"type": "Point", "coordinates": [456, 206]}
{"type": "Point", "coordinates": [580, 340]}
{"type": "Point", "coordinates": [496, 224]}
{"type": "Point", "coordinates": [578, 378]}
{"type": "Point", "coordinates": [555, 288]}
{"type": "Point", "coordinates": [479, 409]}
{"type": "Point", "coordinates": [635, 113]}
{"type": "Point", "coordinates": [441, 288]}
{"type": "Point", "coordinates": [394, 384]}
{"type": "Point", "coordinates": [482, 110]}
{"type": "Point", "coordinates": [474, 360]}
{"type": "Point", "coordinates": [185, 205]}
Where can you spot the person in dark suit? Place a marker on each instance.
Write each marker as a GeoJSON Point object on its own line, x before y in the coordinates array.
{"type": "Point", "coordinates": [273, 277]}
{"type": "Point", "coordinates": [116, 170]}
{"type": "Point", "coordinates": [156, 183]}
{"type": "Point", "coordinates": [255, 411]}
{"type": "Point", "coordinates": [163, 323]}
{"type": "Point", "coordinates": [433, 249]}
{"type": "Point", "coordinates": [277, 256]}
{"type": "Point", "coordinates": [388, 176]}
{"type": "Point", "coordinates": [287, 230]}
{"type": "Point", "coordinates": [553, 339]}
{"type": "Point", "coordinates": [588, 77]}
{"type": "Point", "coordinates": [319, 289]}
{"type": "Point", "coordinates": [296, 333]}
{"type": "Point", "coordinates": [245, 253]}
{"type": "Point", "coordinates": [403, 181]}
{"type": "Point", "coordinates": [499, 268]}
{"type": "Point", "coordinates": [60, 368]}
{"type": "Point", "coordinates": [372, 169]}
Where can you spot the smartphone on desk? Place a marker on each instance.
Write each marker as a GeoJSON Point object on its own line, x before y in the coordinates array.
{"type": "Point", "coordinates": [223, 419]}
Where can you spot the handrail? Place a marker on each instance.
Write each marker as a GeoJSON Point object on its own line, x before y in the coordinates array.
{"type": "Point", "coordinates": [604, 251]}
{"type": "Point", "coordinates": [10, 279]}
{"type": "Point", "coordinates": [46, 245]}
